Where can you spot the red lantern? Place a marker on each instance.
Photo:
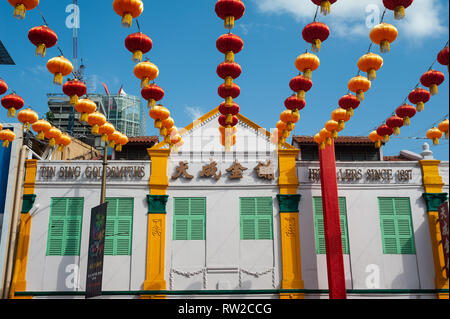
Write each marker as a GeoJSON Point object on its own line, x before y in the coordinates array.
{"type": "Point", "coordinates": [229, 71]}
{"type": "Point", "coordinates": [443, 57]}
{"type": "Point", "coordinates": [229, 44]}
{"type": "Point", "coordinates": [152, 93]}
{"type": "Point", "coordinates": [229, 93]}
{"type": "Point", "coordinates": [349, 103]}
{"type": "Point", "coordinates": [325, 5]}
{"type": "Point", "coordinates": [432, 79]}
{"type": "Point", "coordinates": [406, 112]}
{"type": "Point", "coordinates": [42, 37]}
{"type": "Point", "coordinates": [223, 121]}
{"type": "Point", "coordinates": [229, 112]}
{"type": "Point", "coordinates": [316, 33]}
{"type": "Point", "coordinates": [138, 44]}
{"type": "Point", "coordinates": [12, 103]}
{"type": "Point", "coordinates": [398, 6]}
{"type": "Point", "coordinates": [294, 104]}
{"type": "Point", "coordinates": [300, 85]}
{"type": "Point", "coordinates": [75, 89]}
{"type": "Point", "coordinates": [385, 131]}
{"type": "Point", "coordinates": [395, 123]}
{"type": "Point", "coordinates": [3, 87]}
{"type": "Point", "coordinates": [419, 97]}
{"type": "Point", "coordinates": [230, 11]}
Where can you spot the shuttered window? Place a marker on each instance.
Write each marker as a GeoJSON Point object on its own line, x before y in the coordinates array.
{"type": "Point", "coordinates": [189, 219]}
{"type": "Point", "coordinates": [256, 218]}
{"type": "Point", "coordinates": [64, 231]}
{"type": "Point", "coordinates": [319, 225]}
{"type": "Point", "coordinates": [119, 226]}
{"type": "Point", "coordinates": [396, 226]}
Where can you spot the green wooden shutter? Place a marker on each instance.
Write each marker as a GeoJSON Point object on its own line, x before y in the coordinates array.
{"type": "Point", "coordinates": [65, 222]}
{"type": "Point", "coordinates": [396, 225]}
{"type": "Point", "coordinates": [256, 218]}
{"type": "Point", "coordinates": [320, 229]}
{"type": "Point", "coordinates": [119, 226]}
{"type": "Point", "coordinates": [189, 219]}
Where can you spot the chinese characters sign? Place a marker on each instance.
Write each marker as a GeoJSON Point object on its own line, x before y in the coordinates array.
{"type": "Point", "coordinates": [443, 221]}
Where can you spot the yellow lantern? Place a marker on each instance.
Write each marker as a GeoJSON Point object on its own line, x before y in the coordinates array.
{"type": "Point", "coordinates": [63, 141]}
{"type": "Point", "coordinates": [22, 6]}
{"type": "Point", "coordinates": [27, 117]}
{"type": "Point", "coordinates": [443, 127]}
{"type": "Point", "coordinates": [377, 139]}
{"type": "Point", "coordinates": [52, 135]}
{"type": "Point", "coordinates": [41, 127]}
{"type": "Point", "coordinates": [307, 63]}
{"type": "Point", "coordinates": [359, 85]}
{"type": "Point", "coordinates": [128, 10]}
{"type": "Point", "coordinates": [341, 116]}
{"type": "Point", "coordinates": [370, 63]}
{"type": "Point", "coordinates": [7, 136]}
{"type": "Point", "coordinates": [333, 127]}
{"type": "Point", "coordinates": [326, 135]}
{"type": "Point", "coordinates": [113, 139]}
{"type": "Point", "coordinates": [383, 35]}
{"type": "Point", "coordinates": [96, 120]}
{"type": "Point", "coordinates": [60, 67]}
{"type": "Point", "coordinates": [434, 134]}
{"type": "Point", "coordinates": [85, 107]}
{"type": "Point", "coordinates": [146, 72]}
{"type": "Point", "coordinates": [320, 141]}
{"type": "Point", "coordinates": [106, 130]}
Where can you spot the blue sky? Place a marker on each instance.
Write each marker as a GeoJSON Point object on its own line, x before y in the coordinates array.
{"type": "Point", "coordinates": [184, 36]}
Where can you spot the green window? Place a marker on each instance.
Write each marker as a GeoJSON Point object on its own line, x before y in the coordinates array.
{"type": "Point", "coordinates": [189, 219]}
{"type": "Point", "coordinates": [319, 225]}
{"type": "Point", "coordinates": [396, 226]}
{"type": "Point", "coordinates": [119, 226]}
{"type": "Point", "coordinates": [64, 233]}
{"type": "Point", "coordinates": [256, 214]}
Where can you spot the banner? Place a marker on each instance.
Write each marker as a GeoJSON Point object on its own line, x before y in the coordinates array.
{"type": "Point", "coordinates": [443, 221]}
{"type": "Point", "coordinates": [96, 251]}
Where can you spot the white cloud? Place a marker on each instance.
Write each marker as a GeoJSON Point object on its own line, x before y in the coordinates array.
{"type": "Point", "coordinates": [193, 111]}
{"type": "Point", "coordinates": [348, 17]}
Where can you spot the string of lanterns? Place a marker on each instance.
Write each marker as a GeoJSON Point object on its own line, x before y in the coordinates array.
{"type": "Point", "coordinates": [383, 35]}
{"type": "Point", "coordinates": [315, 34]}
{"type": "Point", "coordinates": [140, 44]}
{"type": "Point", "coordinates": [229, 44]}
{"type": "Point", "coordinates": [418, 97]}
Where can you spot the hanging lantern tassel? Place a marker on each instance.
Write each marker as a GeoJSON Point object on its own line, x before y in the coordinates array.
{"type": "Point", "coordinates": [6, 144]}
{"type": "Point", "coordinates": [350, 111]}
{"type": "Point", "coordinates": [228, 82]}
{"type": "Point", "coordinates": [407, 121]}
{"type": "Point", "coordinates": [95, 129]}
{"type": "Point", "coordinates": [325, 7]}
{"type": "Point", "coordinates": [433, 89]}
{"type": "Point", "coordinates": [301, 95]}
{"type": "Point", "coordinates": [58, 79]}
{"type": "Point", "coordinates": [385, 46]}
{"type": "Point", "coordinates": [316, 45]}
{"type": "Point", "coordinates": [372, 74]}
{"type": "Point", "coordinates": [396, 131]}
{"type": "Point", "coordinates": [74, 100]}
{"type": "Point", "coordinates": [41, 136]}
{"type": "Point", "coordinates": [360, 95]}
{"type": "Point", "coordinates": [52, 142]}
{"type": "Point", "coordinates": [399, 13]}
{"type": "Point", "coordinates": [163, 131]}
{"type": "Point", "coordinates": [307, 74]}
{"type": "Point", "coordinates": [127, 20]}
{"type": "Point", "coordinates": [137, 56]}
{"type": "Point", "coordinates": [229, 22]}
{"type": "Point", "coordinates": [386, 138]}
{"type": "Point", "coordinates": [420, 106]}
{"type": "Point", "coordinates": [378, 144]}
{"type": "Point", "coordinates": [19, 11]}
{"type": "Point", "coordinates": [41, 50]}
{"type": "Point", "coordinates": [229, 56]}
{"type": "Point", "coordinates": [151, 103]}
{"type": "Point", "coordinates": [118, 148]}
{"type": "Point", "coordinates": [158, 124]}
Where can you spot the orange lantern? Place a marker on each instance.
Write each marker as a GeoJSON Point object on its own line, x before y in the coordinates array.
{"type": "Point", "coordinates": [52, 135]}
{"type": "Point", "coordinates": [113, 139]}
{"type": "Point", "coordinates": [166, 125]}
{"type": "Point", "coordinates": [320, 141]}
{"type": "Point", "coordinates": [175, 139]}
{"type": "Point", "coordinates": [85, 107]}
{"type": "Point", "coordinates": [1, 126]}
{"type": "Point", "coordinates": [370, 63]}
{"type": "Point", "coordinates": [96, 120]}
{"type": "Point", "coordinates": [443, 127]}
{"type": "Point", "coordinates": [121, 141]}
{"type": "Point", "coordinates": [63, 141]}
{"type": "Point", "coordinates": [128, 10]}
{"type": "Point", "coordinates": [383, 35]}
{"type": "Point", "coordinates": [326, 135]}
{"type": "Point", "coordinates": [359, 85]}
{"type": "Point", "coordinates": [333, 127]}
{"type": "Point", "coordinates": [60, 67]}
{"type": "Point", "coordinates": [159, 113]}
{"type": "Point", "coordinates": [106, 130]}
{"type": "Point", "coordinates": [307, 63]}
{"type": "Point", "coordinates": [435, 134]}
{"type": "Point", "coordinates": [341, 116]}
{"type": "Point", "coordinates": [146, 72]}
{"type": "Point", "coordinates": [7, 136]}
{"type": "Point", "coordinates": [22, 6]}
{"type": "Point", "coordinates": [27, 117]}
{"type": "Point", "coordinates": [290, 118]}
{"type": "Point", "coordinates": [41, 127]}
{"type": "Point", "coordinates": [377, 139]}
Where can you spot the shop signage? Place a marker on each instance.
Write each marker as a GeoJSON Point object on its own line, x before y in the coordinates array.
{"type": "Point", "coordinates": [96, 251]}
{"type": "Point", "coordinates": [91, 172]}
{"type": "Point", "coordinates": [369, 175]}
{"type": "Point", "coordinates": [443, 221]}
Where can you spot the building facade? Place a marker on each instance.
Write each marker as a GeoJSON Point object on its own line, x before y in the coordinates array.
{"type": "Point", "coordinates": [245, 224]}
